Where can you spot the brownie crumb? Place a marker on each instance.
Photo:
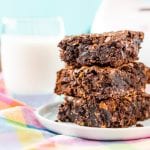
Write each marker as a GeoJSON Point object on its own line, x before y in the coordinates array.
{"type": "Point", "coordinates": [139, 125]}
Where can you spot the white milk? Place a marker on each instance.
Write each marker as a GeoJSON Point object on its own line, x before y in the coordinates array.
{"type": "Point", "coordinates": [30, 63]}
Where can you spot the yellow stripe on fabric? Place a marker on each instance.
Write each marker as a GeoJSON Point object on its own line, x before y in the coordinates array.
{"type": "Point", "coordinates": [28, 136]}
{"type": "Point", "coordinates": [14, 114]}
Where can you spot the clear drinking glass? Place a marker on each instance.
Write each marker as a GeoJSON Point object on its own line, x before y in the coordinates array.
{"type": "Point", "coordinates": [29, 53]}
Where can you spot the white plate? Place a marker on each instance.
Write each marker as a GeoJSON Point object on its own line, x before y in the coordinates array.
{"type": "Point", "coordinates": [47, 116]}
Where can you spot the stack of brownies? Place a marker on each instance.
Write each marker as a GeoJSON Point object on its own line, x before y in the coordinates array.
{"type": "Point", "coordinates": [103, 84]}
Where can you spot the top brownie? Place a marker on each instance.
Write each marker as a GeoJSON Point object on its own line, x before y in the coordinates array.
{"type": "Point", "coordinates": [108, 49]}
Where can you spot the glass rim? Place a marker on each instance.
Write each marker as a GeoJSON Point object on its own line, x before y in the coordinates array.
{"type": "Point", "coordinates": [40, 19]}
{"type": "Point", "coordinates": [5, 20]}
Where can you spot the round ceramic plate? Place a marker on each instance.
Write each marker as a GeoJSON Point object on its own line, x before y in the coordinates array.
{"type": "Point", "coordinates": [47, 116]}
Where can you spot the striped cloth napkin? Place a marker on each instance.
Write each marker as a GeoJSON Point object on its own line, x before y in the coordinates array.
{"type": "Point", "coordinates": [19, 129]}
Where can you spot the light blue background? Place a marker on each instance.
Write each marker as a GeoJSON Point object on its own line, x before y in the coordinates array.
{"type": "Point", "coordinates": [77, 14]}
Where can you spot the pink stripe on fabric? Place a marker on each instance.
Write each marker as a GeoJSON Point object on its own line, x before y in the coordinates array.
{"type": "Point", "coordinates": [10, 101]}
{"type": "Point", "coordinates": [2, 85]}
{"type": "Point", "coordinates": [6, 99]}
{"type": "Point", "coordinates": [30, 118]}
{"type": "Point", "coordinates": [65, 141]}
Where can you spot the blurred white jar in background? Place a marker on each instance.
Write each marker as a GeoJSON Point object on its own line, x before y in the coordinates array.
{"type": "Point", "coordinates": [114, 15]}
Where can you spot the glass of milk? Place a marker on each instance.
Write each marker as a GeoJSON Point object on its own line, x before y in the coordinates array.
{"type": "Point", "coordinates": [29, 53]}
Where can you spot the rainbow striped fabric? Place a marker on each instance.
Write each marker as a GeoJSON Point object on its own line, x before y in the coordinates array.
{"type": "Point", "coordinates": [19, 129]}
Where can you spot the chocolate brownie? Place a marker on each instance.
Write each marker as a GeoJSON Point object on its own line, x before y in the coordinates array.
{"type": "Point", "coordinates": [107, 49]}
{"type": "Point", "coordinates": [110, 113]}
{"type": "Point", "coordinates": [101, 83]}
{"type": "Point", "coordinates": [148, 74]}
